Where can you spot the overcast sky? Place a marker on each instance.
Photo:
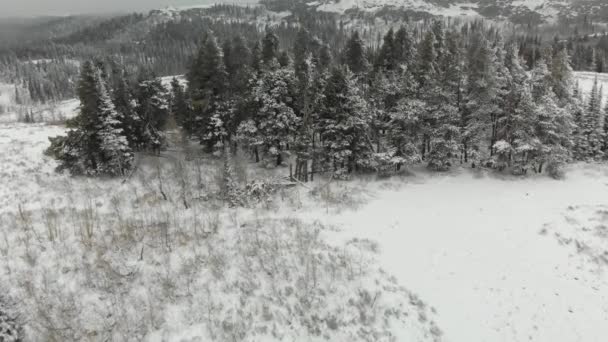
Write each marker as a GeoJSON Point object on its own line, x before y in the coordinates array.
{"type": "Point", "coordinates": [29, 8]}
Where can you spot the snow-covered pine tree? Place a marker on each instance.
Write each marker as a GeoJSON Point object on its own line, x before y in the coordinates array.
{"type": "Point", "coordinates": [354, 54]}
{"type": "Point", "coordinates": [386, 59]}
{"type": "Point", "coordinates": [405, 49]}
{"type": "Point", "coordinates": [577, 108]}
{"type": "Point", "coordinates": [96, 143]}
{"type": "Point", "coordinates": [311, 82]}
{"type": "Point", "coordinates": [427, 58]}
{"type": "Point", "coordinates": [238, 66]}
{"type": "Point", "coordinates": [207, 85]}
{"type": "Point", "coordinates": [481, 98]}
{"type": "Point", "coordinates": [219, 128]}
{"type": "Point", "coordinates": [592, 130]}
{"type": "Point", "coordinates": [125, 105]}
{"type": "Point", "coordinates": [153, 110]}
{"type": "Point", "coordinates": [78, 151]}
{"type": "Point", "coordinates": [116, 154]}
{"type": "Point", "coordinates": [606, 129]}
{"type": "Point", "coordinates": [553, 124]}
{"type": "Point", "coordinates": [562, 76]}
{"type": "Point", "coordinates": [274, 124]}
{"type": "Point", "coordinates": [343, 124]}
{"type": "Point", "coordinates": [516, 136]}
{"type": "Point", "coordinates": [442, 101]}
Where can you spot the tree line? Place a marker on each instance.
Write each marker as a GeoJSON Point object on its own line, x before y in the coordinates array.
{"type": "Point", "coordinates": [433, 95]}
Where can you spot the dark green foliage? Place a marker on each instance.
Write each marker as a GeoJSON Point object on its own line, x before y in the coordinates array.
{"type": "Point", "coordinates": [354, 54]}
{"type": "Point", "coordinates": [270, 47]}
{"type": "Point", "coordinates": [96, 144]}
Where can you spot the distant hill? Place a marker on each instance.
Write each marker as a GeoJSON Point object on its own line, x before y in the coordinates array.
{"type": "Point", "coordinates": [517, 11]}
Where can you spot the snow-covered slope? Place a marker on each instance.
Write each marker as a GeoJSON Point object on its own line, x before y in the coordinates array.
{"type": "Point", "coordinates": [515, 10]}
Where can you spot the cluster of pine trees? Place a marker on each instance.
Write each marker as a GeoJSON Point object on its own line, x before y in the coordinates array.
{"type": "Point", "coordinates": [115, 120]}
{"type": "Point", "coordinates": [446, 97]}
{"type": "Point", "coordinates": [428, 95]}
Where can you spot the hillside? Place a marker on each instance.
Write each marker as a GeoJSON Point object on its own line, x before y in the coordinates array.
{"type": "Point", "coordinates": [517, 11]}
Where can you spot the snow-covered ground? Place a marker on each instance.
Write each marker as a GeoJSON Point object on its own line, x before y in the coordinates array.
{"type": "Point", "coordinates": [501, 259]}
{"type": "Point", "coordinates": [490, 258]}
{"type": "Point", "coordinates": [453, 10]}
{"type": "Point", "coordinates": [586, 80]}
{"type": "Point", "coordinates": [154, 257]}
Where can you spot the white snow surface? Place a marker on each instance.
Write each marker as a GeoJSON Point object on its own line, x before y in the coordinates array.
{"type": "Point", "coordinates": [476, 247]}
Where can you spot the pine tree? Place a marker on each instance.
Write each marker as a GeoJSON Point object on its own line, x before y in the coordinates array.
{"type": "Point", "coordinates": [553, 128]}
{"type": "Point", "coordinates": [343, 124]}
{"type": "Point", "coordinates": [427, 59]}
{"type": "Point", "coordinates": [442, 102]}
{"type": "Point", "coordinates": [386, 59]}
{"type": "Point", "coordinates": [592, 129]}
{"type": "Point", "coordinates": [124, 103]}
{"type": "Point", "coordinates": [354, 54]}
{"type": "Point", "coordinates": [284, 59]}
{"type": "Point", "coordinates": [516, 136]}
{"type": "Point", "coordinates": [301, 51]}
{"type": "Point", "coordinates": [482, 98]}
{"type": "Point", "coordinates": [237, 64]}
{"type": "Point", "coordinates": [153, 109]}
{"type": "Point", "coordinates": [606, 129]}
{"type": "Point", "coordinates": [256, 58]}
{"type": "Point", "coordinates": [553, 124]}
{"type": "Point", "coordinates": [270, 47]}
{"type": "Point", "coordinates": [180, 108]}
{"type": "Point", "coordinates": [116, 154]}
{"type": "Point", "coordinates": [577, 108]}
{"type": "Point", "coordinates": [404, 51]}
{"type": "Point", "coordinates": [96, 144]}
{"type": "Point", "coordinates": [207, 84]}
{"type": "Point", "coordinates": [562, 75]}
{"type": "Point", "coordinates": [275, 122]}
{"type": "Point", "coordinates": [207, 77]}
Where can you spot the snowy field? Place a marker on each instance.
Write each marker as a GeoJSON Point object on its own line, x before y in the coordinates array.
{"type": "Point", "coordinates": [586, 80]}
{"type": "Point", "coordinates": [500, 259]}
{"type": "Point", "coordinates": [482, 257]}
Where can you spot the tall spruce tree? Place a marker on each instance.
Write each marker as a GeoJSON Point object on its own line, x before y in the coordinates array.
{"type": "Point", "coordinates": [592, 129]}
{"type": "Point", "coordinates": [270, 47]}
{"type": "Point", "coordinates": [207, 85]}
{"type": "Point", "coordinates": [343, 124]}
{"type": "Point", "coordinates": [274, 124]}
{"type": "Point", "coordinates": [116, 156]}
{"type": "Point", "coordinates": [153, 110]}
{"type": "Point", "coordinates": [354, 54]}
{"type": "Point", "coordinates": [96, 143]}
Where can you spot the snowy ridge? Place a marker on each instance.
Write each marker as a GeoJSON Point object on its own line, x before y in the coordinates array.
{"type": "Point", "coordinates": [460, 9]}
{"type": "Point", "coordinates": [516, 10]}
